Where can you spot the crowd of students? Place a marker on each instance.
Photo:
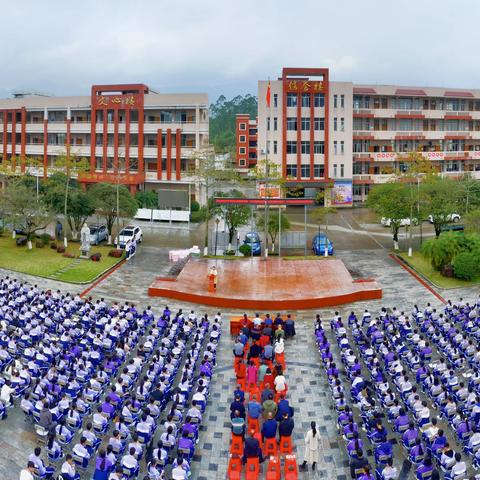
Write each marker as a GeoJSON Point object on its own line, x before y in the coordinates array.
{"type": "Point", "coordinates": [95, 381]}
{"type": "Point", "coordinates": [261, 417]}
{"type": "Point", "coordinates": [420, 372]}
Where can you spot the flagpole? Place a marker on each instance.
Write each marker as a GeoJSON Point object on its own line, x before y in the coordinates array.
{"type": "Point", "coordinates": [269, 121]}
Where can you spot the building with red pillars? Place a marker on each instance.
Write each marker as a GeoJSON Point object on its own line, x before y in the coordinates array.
{"type": "Point", "coordinates": [128, 133]}
{"type": "Point", "coordinates": [350, 136]}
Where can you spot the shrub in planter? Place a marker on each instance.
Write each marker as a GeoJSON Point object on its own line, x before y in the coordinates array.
{"type": "Point", "coordinates": [95, 257]}
{"type": "Point", "coordinates": [21, 241]}
{"type": "Point", "coordinates": [229, 252]}
{"type": "Point", "coordinates": [39, 244]}
{"type": "Point", "coordinates": [53, 246]}
{"type": "Point", "coordinates": [197, 217]}
{"type": "Point", "coordinates": [68, 255]}
{"type": "Point", "coordinates": [116, 252]}
{"type": "Point", "coordinates": [60, 249]}
{"type": "Point", "coordinates": [245, 250]}
{"type": "Point", "coordinates": [194, 206]}
{"type": "Point", "coordinates": [465, 266]}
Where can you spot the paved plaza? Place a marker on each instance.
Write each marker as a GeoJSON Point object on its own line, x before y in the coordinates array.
{"type": "Point", "coordinates": [308, 392]}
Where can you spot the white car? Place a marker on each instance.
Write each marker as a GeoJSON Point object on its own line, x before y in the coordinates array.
{"type": "Point", "coordinates": [129, 233]}
{"type": "Point", "coordinates": [453, 217]}
{"type": "Point", "coordinates": [404, 222]}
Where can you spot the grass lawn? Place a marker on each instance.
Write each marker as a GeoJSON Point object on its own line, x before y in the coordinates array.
{"type": "Point", "coordinates": [423, 266]}
{"type": "Point", "coordinates": [45, 262]}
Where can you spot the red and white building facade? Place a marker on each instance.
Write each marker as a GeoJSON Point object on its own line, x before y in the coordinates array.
{"type": "Point", "coordinates": [318, 131]}
{"type": "Point", "coordinates": [128, 133]}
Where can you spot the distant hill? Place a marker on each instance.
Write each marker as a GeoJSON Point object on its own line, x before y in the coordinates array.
{"type": "Point", "coordinates": [222, 119]}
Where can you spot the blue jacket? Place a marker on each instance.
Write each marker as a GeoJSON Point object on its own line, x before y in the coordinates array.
{"type": "Point", "coordinates": [269, 428]}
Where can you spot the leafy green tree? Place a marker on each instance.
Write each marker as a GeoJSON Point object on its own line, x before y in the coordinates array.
{"type": "Point", "coordinates": [223, 120]}
{"type": "Point", "coordinates": [104, 196]}
{"type": "Point", "coordinates": [442, 250]}
{"type": "Point", "coordinates": [391, 201]}
{"type": "Point", "coordinates": [147, 199]}
{"type": "Point", "coordinates": [441, 199]}
{"type": "Point", "coordinates": [79, 205]}
{"type": "Point", "coordinates": [469, 194]}
{"type": "Point", "coordinates": [209, 176]}
{"type": "Point", "coordinates": [275, 224]}
{"type": "Point", "coordinates": [324, 210]}
{"type": "Point", "coordinates": [71, 166]}
{"type": "Point", "coordinates": [26, 215]}
{"type": "Point", "coordinates": [234, 216]}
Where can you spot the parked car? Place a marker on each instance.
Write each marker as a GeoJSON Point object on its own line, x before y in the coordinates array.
{"type": "Point", "coordinates": [319, 242]}
{"type": "Point", "coordinates": [453, 217]}
{"type": "Point", "coordinates": [252, 239]}
{"type": "Point", "coordinates": [456, 227]}
{"type": "Point", "coordinates": [129, 233]}
{"type": "Point", "coordinates": [404, 222]}
{"type": "Point", "coordinates": [98, 233]}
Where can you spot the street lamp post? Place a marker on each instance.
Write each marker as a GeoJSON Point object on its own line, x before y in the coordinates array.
{"type": "Point", "coordinates": [217, 221]}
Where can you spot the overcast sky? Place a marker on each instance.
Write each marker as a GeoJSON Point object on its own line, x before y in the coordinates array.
{"type": "Point", "coordinates": [225, 46]}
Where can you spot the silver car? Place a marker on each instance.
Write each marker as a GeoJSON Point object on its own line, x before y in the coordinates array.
{"type": "Point", "coordinates": [98, 233]}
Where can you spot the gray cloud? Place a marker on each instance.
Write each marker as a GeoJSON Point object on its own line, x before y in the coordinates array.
{"type": "Point", "coordinates": [225, 46]}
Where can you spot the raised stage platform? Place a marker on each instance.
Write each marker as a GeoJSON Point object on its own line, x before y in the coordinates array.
{"type": "Point", "coordinates": [275, 284]}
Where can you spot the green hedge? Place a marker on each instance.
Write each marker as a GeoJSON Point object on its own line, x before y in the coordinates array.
{"type": "Point", "coordinates": [465, 266]}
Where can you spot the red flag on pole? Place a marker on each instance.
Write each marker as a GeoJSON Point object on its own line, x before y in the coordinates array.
{"type": "Point", "coordinates": [267, 97]}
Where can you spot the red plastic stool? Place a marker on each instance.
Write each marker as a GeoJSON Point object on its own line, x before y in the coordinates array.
{"type": "Point", "coordinates": [273, 469]}
{"type": "Point", "coordinates": [253, 424]}
{"type": "Point", "coordinates": [286, 446]}
{"type": "Point", "coordinates": [236, 447]}
{"type": "Point", "coordinates": [253, 469]}
{"type": "Point", "coordinates": [258, 436]}
{"type": "Point", "coordinates": [234, 471]}
{"type": "Point", "coordinates": [291, 468]}
{"type": "Point", "coordinates": [280, 359]}
{"type": "Point", "coordinates": [254, 394]}
{"type": "Point", "coordinates": [270, 448]}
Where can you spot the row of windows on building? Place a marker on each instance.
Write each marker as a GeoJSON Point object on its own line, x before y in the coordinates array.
{"type": "Point", "coordinates": [408, 124]}
{"type": "Point", "coordinates": [306, 123]}
{"type": "Point", "coordinates": [292, 170]}
{"type": "Point", "coordinates": [361, 146]}
{"type": "Point", "coordinates": [410, 103]}
{"type": "Point", "coordinates": [305, 171]}
{"type": "Point", "coordinates": [305, 147]}
{"type": "Point", "coordinates": [83, 116]}
{"type": "Point", "coordinates": [318, 100]}
{"type": "Point", "coordinates": [293, 99]}
{"type": "Point", "coordinates": [149, 140]}
{"type": "Point", "coordinates": [364, 168]}
{"type": "Point", "coordinates": [150, 166]}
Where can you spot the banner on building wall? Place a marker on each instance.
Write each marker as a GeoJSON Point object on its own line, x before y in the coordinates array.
{"type": "Point", "coordinates": [342, 192]}
{"type": "Point", "coordinates": [434, 155]}
{"type": "Point", "coordinates": [272, 191]}
{"type": "Point", "coordinates": [384, 156]}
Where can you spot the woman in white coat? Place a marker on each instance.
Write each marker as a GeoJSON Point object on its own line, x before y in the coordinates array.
{"type": "Point", "coordinates": [312, 447]}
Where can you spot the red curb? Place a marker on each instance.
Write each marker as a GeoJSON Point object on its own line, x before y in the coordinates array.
{"type": "Point", "coordinates": [417, 277]}
{"type": "Point", "coordinates": [102, 278]}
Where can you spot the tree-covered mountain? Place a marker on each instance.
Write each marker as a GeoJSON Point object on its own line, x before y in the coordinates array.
{"type": "Point", "coordinates": [222, 119]}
